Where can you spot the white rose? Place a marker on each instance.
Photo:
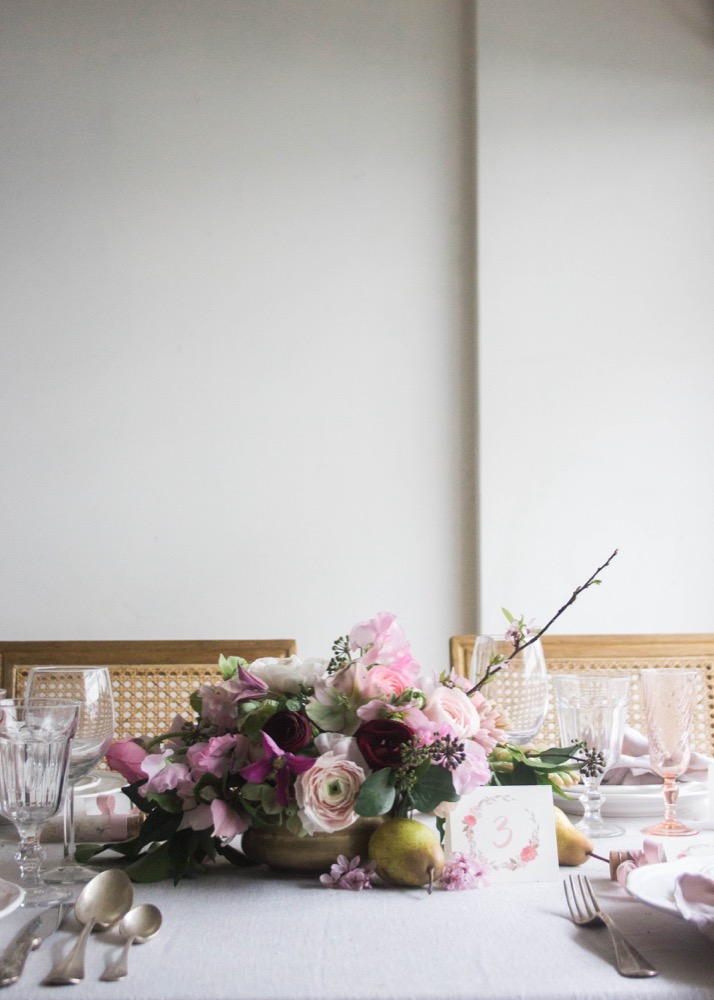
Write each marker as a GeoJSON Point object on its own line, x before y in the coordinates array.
{"type": "Point", "coordinates": [286, 675]}
{"type": "Point", "coordinates": [326, 793]}
{"type": "Point", "coordinates": [452, 707]}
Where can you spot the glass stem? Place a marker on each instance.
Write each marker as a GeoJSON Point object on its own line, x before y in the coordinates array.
{"type": "Point", "coordinates": [670, 792]}
{"type": "Point", "coordinates": [30, 857]}
{"type": "Point", "coordinates": [69, 844]}
{"type": "Point", "coordinates": [591, 799]}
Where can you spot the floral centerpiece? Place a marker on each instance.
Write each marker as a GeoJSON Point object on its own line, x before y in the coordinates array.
{"type": "Point", "coordinates": [314, 745]}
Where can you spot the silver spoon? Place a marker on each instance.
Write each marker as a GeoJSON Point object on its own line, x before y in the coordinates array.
{"type": "Point", "coordinates": [105, 898]}
{"type": "Point", "coordinates": [136, 927]}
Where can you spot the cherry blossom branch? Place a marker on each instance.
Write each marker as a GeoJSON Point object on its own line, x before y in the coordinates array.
{"type": "Point", "coordinates": [518, 645]}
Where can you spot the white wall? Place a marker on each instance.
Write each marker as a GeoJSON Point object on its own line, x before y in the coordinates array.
{"type": "Point", "coordinates": [236, 319]}
{"type": "Point", "coordinates": [596, 312]}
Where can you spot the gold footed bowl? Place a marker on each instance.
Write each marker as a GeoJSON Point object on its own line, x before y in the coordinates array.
{"type": "Point", "coordinates": [283, 851]}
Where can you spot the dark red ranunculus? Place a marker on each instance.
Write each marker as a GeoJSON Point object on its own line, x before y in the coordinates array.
{"type": "Point", "coordinates": [290, 730]}
{"type": "Point", "coordinates": [381, 742]}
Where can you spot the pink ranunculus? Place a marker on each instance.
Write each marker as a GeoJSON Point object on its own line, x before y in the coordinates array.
{"type": "Point", "coordinates": [453, 708]}
{"type": "Point", "coordinates": [326, 793]}
{"type": "Point", "coordinates": [227, 823]}
{"type": "Point", "coordinates": [386, 680]}
{"type": "Point", "coordinates": [219, 755]}
{"type": "Point", "coordinates": [125, 757]}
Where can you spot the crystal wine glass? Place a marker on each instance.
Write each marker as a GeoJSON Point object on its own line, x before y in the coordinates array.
{"type": "Point", "coordinates": [520, 688]}
{"type": "Point", "coordinates": [669, 695]}
{"type": "Point", "coordinates": [592, 709]}
{"type": "Point", "coordinates": [35, 738]}
{"type": "Point", "coordinates": [92, 688]}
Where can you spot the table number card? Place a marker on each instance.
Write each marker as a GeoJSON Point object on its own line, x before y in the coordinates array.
{"type": "Point", "coordinates": [511, 829]}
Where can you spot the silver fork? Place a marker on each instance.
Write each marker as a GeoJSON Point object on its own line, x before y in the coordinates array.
{"type": "Point", "coordinates": [585, 911]}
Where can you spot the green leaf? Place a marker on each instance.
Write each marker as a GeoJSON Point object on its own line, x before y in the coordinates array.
{"type": "Point", "coordinates": [508, 616]}
{"type": "Point", "coordinates": [434, 786]}
{"type": "Point", "coordinates": [168, 801]}
{"type": "Point", "coordinates": [377, 794]}
{"type": "Point", "coordinates": [153, 866]}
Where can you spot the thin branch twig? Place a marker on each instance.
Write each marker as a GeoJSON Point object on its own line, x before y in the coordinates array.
{"type": "Point", "coordinates": [493, 668]}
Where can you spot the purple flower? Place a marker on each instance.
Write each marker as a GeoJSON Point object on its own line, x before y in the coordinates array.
{"type": "Point", "coordinates": [279, 763]}
{"type": "Point", "coordinates": [464, 871]}
{"type": "Point", "coordinates": [346, 874]}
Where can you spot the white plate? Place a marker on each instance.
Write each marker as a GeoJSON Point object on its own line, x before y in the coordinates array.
{"type": "Point", "coordinates": [642, 800]}
{"type": "Point", "coordinates": [654, 884]}
{"type": "Point", "coordinates": [11, 896]}
{"type": "Point", "coordinates": [101, 783]}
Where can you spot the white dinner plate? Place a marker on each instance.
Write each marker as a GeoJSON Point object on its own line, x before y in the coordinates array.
{"type": "Point", "coordinates": [641, 800]}
{"type": "Point", "coordinates": [654, 884]}
{"type": "Point", "coordinates": [11, 896]}
{"type": "Point", "coordinates": [100, 783]}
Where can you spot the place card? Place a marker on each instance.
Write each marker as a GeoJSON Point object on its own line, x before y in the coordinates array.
{"type": "Point", "coordinates": [511, 829]}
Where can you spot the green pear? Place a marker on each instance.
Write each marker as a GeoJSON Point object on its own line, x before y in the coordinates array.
{"type": "Point", "coordinates": [407, 852]}
{"type": "Point", "coordinates": [574, 848]}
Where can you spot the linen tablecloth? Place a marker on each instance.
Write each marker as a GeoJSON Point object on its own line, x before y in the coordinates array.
{"type": "Point", "coordinates": [252, 935]}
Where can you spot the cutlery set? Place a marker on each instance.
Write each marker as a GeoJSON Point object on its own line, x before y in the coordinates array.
{"type": "Point", "coordinates": [104, 903]}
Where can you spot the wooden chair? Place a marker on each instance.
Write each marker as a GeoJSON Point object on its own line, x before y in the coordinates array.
{"type": "Point", "coordinates": [566, 654]}
{"type": "Point", "coordinates": [152, 680]}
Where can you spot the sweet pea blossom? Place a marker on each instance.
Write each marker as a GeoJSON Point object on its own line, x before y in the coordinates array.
{"type": "Point", "coordinates": [219, 755]}
{"type": "Point", "coordinates": [163, 774]}
{"type": "Point", "coordinates": [326, 793]}
{"type": "Point", "coordinates": [381, 640]}
{"type": "Point", "coordinates": [220, 702]}
{"type": "Point", "coordinates": [227, 823]}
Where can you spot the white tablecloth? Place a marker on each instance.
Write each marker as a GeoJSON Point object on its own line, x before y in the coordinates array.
{"type": "Point", "coordinates": [252, 935]}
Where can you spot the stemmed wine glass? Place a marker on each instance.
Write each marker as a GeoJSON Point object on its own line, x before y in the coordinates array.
{"type": "Point", "coordinates": [520, 688]}
{"type": "Point", "coordinates": [668, 695]}
{"type": "Point", "coordinates": [92, 688]}
{"type": "Point", "coordinates": [591, 710]}
{"type": "Point", "coordinates": [35, 739]}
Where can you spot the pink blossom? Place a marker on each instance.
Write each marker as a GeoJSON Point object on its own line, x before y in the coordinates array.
{"type": "Point", "coordinates": [163, 775]}
{"type": "Point", "coordinates": [451, 707]}
{"type": "Point", "coordinates": [125, 757]}
{"type": "Point", "coordinates": [279, 764]}
{"type": "Point", "coordinates": [490, 732]}
{"type": "Point", "coordinates": [196, 817]}
{"type": "Point", "coordinates": [219, 755]}
{"type": "Point", "coordinates": [349, 874]}
{"type": "Point", "coordinates": [381, 640]}
{"type": "Point", "coordinates": [326, 793]}
{"type": "Point", "coordinates": [474, 771]}
{"type": "Point", "coordinates": [528, 853]}
{"type": "Point", "coordinates": [227, 823]}
{"type": "Point", "coordinates": [219, 702]}
{"type": "Point", "coordinates": [464, 871]}
{"type": "Point", "coordinates": [386, 680]}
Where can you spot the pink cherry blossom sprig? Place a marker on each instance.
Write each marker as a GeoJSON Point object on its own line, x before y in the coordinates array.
{"type": "Point", "coordinates": [349, 874]}
{"type": "Point", "coordinates": [524, 636]}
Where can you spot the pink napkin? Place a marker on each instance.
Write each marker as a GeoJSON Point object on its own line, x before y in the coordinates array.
{"type": "Point", "coordinates": [633, 767]}
{"type": "Point", "coordinates": [694, 896]}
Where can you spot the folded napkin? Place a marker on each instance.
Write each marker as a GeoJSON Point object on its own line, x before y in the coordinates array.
{"type": "Point", "coordinates": [694, 896]}
{"type": "Point", "coordinates": [633, 767]}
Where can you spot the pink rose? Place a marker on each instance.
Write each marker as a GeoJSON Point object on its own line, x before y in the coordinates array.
{"type": "Point", "coordinates": [453, 708]}
{"type": "Point", "coordinates": [326, 793]}
{"type": "Point", "coordinates": [125, 757]}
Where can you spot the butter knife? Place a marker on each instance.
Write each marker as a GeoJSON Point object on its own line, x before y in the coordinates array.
{"type": "Point", "coordinates": [12, 960]}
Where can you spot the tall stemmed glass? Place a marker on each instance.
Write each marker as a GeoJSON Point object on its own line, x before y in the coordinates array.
{"type": "Point", "coordinates": [92, 688]}
{"type": "Point", "coordinates": [520, 688]}
{"type": "Point", "coordinates": [592, 709]}
{"type": "Point", "coordinates": [35, 738]}
{"type": "Point", "coordinates": [669, 695]}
